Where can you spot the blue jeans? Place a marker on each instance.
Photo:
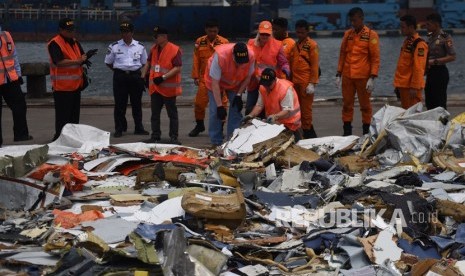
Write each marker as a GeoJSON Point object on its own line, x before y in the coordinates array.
{"type": "Point", "coordinates": [215, 125]}
{"type": "Point", "coordinates": [252, 97]}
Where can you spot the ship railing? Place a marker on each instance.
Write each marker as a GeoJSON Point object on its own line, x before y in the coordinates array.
{"type": "Point", "coordinates": [56, 14]}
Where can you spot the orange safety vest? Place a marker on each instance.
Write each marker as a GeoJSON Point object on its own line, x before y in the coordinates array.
{"type": "Point", "coordinates": [359, 55]}
{"type": "Point", "coordinates": [305, 62]}
{"type": "Point", "coordinates": [232, 74]}
{"type": "Point", "coordinates": [170, 87]}
{"type": "Point", "coordinates": [8, 64]}
{"type": "Point", "coordinates": [266, 57]}
{"type": "Point", "coordinates": [272, 103]}
{"type": "Point", "coordinates": [69, 77]}
{"type": "Point", "coordinates": [411, 65]}
{"type": "Point", "coordinates": [203, 50]}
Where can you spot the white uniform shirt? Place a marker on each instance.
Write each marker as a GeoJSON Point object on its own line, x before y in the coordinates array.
{"type": "Point", "coordinates": [126, 57]}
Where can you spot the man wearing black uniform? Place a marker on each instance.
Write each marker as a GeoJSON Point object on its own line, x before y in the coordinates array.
{"type": "Point", "coordinates": [66, 72]}
{"type": "Point", "coordinates": [126, 57]}
{"type": "Point", "coordinates": [441, 51]}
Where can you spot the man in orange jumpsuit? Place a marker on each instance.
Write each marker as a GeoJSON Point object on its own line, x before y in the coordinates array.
{"type": "Point", "coordinates": [410, 71]}
{"type": "Point", "coordinates": [358, 66]}
{"type": "Point", "coordinates": [304, 67]}
{"type": "Point", "coordinates": [269, 53]}
{"type": "Point", "coordinates": [203, 50]}
{"type": "Point", "coordinates": [281, 34]}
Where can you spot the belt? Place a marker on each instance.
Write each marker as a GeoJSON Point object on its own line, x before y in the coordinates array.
{"type": "Point", "coordinates": [128, 72]}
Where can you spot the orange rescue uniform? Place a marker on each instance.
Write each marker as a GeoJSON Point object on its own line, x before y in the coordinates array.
{"type": "Point", "coordinates": [359, 58]}
{"type": "Point", "coordinates": [203, 50]}
{"type": "Point", "coordinates": [66, 78]}
{"type": "Point", "coordinates": [161, 64]}
{"type": "Point", "coordinates": [272, 103]}
{"type": "Point", "coordinates": [410, 71]}
{"type": "Point", "coordinates": [304, 62]}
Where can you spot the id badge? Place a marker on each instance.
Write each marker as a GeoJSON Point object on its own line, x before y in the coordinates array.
{"type": "Point", "coordinates": [157, 68]}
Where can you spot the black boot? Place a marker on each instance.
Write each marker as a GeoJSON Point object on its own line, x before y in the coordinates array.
{"type": "Point", "coordinates": [347, 129]}
{"type": "Point", "coordinates": [366, 129]}
{"type": "Point", "coordinates": [309, 133]}
{"type": "Point", "coordinates": [199, 127]}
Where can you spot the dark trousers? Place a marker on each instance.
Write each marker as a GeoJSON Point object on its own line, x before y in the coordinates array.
{"type": "Point", "coordinates": [157, 102]}
{"type": "Point", "coordinates": [437, 80]}
{"type": "Point", "coordinates": [67, 109]}
{"type": "Point", "coordinates": [125, 85]}
{"type": "Point", "coordinates": [14, 98]}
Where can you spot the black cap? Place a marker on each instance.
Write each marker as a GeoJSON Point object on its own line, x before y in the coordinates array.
{"type": "Point", "coordinates": [126, 27]}
{"type": "Point", "coordinates": [267, 77]}
{"type": "Point", "coordinates": [241, 53]}
{"type": "Point", "coordinates": [159, 30]}
{"type": "Point", "coordinates": [66, 24]}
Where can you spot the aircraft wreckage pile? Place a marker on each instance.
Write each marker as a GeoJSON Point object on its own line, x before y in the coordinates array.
{"type": "Point", "coordinates": [388, 203]}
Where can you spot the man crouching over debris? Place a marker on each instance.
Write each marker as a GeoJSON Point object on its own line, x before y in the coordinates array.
{"type": "Point", "coordinates": [280, 101]}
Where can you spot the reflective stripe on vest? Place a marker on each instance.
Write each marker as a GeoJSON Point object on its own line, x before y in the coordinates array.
{"type": "Point", "coordinates": [7, 67]}
{"type": "Point", "coordinates": [170, 87]}
{"type": "Point", "coordinates": [69, 77]}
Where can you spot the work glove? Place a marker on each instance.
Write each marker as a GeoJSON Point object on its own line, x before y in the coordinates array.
{"type": "Point", "coordinates": [246, 119]}
{"type": "Point", "coordinates": [238, 103]}
{"type": "Point", "coordinates": [370, 85]}
{"type": "Point", "coordinates": [271, 119]}
{"type": "Point", "coordinates": [221, 113]}
{"type": "Point", "coordinates": [310, 89]}
{"type": "Point", "coordinates": [21, 80]}
{"type": "Point", "coordinates": [87, 63]}
{"type": "Point", "coordinates": [338, 81]}
{"type": "Point", "coordinates": [91, 53]}
{"type": "Point", "coordinates": [158, 80]}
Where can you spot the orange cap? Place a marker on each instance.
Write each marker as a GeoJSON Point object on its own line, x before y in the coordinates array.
{"type": "Point", "coordinates": [265, 27]}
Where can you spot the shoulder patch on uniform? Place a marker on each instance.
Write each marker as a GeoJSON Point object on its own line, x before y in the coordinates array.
{"type": "Point", "coordinates": [373, 41]}
{"type": "Point", "coordinates": [421, 52]}
{"type": "Point", "coordinates": [196, 45]}
{"type": "Point", "coordinates": [109, 50]}
{"type": "Point", "coordinates": [114, 43]}
{"type": "Point", "coordinates": [449, 43]}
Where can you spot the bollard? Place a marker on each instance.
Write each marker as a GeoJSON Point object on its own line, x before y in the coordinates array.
{"type": "Point", "coordinates": [35, 73]}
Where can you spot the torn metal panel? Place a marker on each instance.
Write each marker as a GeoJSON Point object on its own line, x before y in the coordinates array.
{"type": "Point", "coordinates": [111, 230]}
{"type": "Point", "coordinates": [23, 195]}
{"type": "Point", "coordinates": [17, 161]}
{"type": "Point", "coordinates": [440, 185]}
{"type": "Point", "coordinates": [390, 173]}
{"type": "Point", "coordinates": [173, 256]}
{"type": "Point", "coordinates": [243, 139]}
{"type": "Point", "coordinates": [164, 211]}
{"type": "Point", "coordinates": [362, 271]}
{"type": "Point", "coordinates": [79, 138]}
{"type": "Point", "coordinates": [284, 199]}
{"type": "Point", "coordinates": [36, 258]}
{"type": "Point", "coordinates": [213, 260]}
{"type": "Point", "coordinates": [329, 144]}
{"type": "Point", "coordinates": [354, 250]}
{"type": "Point", "coordinates": [385, 248]}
